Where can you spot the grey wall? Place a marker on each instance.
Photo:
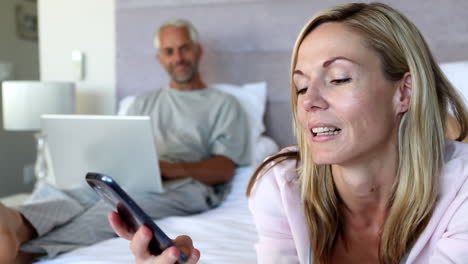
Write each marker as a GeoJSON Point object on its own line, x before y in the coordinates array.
{"type": "Point", "coordinates": [251, 40]}
{"type": "Point", "coordinates": [17, 149]}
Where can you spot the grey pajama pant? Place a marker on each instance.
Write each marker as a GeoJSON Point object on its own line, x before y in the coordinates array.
{"type": "Point", "coordinates": [68, 219]}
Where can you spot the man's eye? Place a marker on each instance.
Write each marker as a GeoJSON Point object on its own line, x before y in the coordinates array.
{"type": "Point", "coordinates": [302, 91]}
{"type": "Point", "coordinates": [185, 48]}
{"type": "Point", "coordinates": [341, 81]}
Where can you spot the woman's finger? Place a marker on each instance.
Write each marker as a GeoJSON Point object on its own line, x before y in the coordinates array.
{"type": "Point", "coordinates": [185, 244]}
{"type": "Point", "coordinates": [172, 254]}
{"type": "Point", "coordinates": [169, 256]}
{"type": "Point", "coordinates": [194, 256]}
{"type": "Point", "coordinates": [140, 242]}
{"type": "Point", "coordinates": [119, 226]}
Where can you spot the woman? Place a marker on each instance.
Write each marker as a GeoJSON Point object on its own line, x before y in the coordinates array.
{"type": "Point", "coordinates": [372, 179]}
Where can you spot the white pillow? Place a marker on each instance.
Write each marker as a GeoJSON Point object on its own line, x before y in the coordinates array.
{"type": "Point", "coordinates": [124, 104]}
{"type": "Point", "coordinates": [457, 73]}
{"type": "Point", "coordinates": [264, 147]}
{"type": "Point", "coordinates": [252, 97]}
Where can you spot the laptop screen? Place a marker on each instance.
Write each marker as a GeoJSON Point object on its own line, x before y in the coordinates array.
{"type": "Point", "coordinates": [119, 146]}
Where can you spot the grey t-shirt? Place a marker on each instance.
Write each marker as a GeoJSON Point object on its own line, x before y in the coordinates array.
{"type": "Point", "coordinates": [191, 126]}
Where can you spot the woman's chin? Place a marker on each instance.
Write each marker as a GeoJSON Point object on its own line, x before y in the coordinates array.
{"type": "Point", "coordinates": [326, 158]}
{"type": "Point", "coordinates": [323, 161]}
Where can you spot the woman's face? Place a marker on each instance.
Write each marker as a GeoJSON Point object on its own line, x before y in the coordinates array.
{"type": "Point", "coordinates": [348, 110]}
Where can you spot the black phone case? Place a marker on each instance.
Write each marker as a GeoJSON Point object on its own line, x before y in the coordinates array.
{"type": "Point", "coordinates": [129, 211]}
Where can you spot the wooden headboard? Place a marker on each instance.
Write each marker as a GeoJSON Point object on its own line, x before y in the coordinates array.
{"type": "Point", "coordinates": [251, 40]}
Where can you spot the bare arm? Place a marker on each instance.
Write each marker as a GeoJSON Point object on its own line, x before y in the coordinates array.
{"type": "Point", "coordinates": [215, 170]}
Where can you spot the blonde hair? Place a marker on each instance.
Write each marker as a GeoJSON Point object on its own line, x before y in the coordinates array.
{"type": "Point", "coordinates": [420, 141]}
{"type": "Point", "coordinates": [421, 135]}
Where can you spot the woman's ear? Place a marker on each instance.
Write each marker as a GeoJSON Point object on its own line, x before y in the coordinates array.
{"type": "Point", "coordinates": [403, 93]}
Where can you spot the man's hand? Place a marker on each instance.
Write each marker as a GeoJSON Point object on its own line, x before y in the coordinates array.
{"type": "Point", "coordinates": [172, 170]}
{"type": "Point", "coordinates": [140, 241]}
{"type": "Point", "coordinates": [216, 170]}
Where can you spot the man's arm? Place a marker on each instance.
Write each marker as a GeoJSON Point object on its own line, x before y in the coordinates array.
{"type": "Point", "coordinates": [215, 170]}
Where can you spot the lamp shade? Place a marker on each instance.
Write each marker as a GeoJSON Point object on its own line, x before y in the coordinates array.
{"type": "Point", "coordinates": [25, 101]}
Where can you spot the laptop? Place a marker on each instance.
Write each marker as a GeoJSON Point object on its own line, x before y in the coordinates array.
{"type": "Point", "coordinates": [122, 147]}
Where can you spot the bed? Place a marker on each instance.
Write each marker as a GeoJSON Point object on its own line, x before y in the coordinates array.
{"type": "Point", "coordinates": [248, 44]}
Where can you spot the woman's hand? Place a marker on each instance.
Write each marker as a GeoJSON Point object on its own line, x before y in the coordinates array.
{"type": "Point", "coordinates": [140, 240]}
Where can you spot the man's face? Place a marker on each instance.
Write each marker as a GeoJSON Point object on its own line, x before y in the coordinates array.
{"type": "Point", "coordinates": [178, 54]}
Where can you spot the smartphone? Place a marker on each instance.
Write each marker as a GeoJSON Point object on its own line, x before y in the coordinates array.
{"type": "Point", "coordinates": [129, 211]}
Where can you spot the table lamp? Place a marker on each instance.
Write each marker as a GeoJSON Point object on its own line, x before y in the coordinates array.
{"type": "Point", "coordinates": [23, 104]}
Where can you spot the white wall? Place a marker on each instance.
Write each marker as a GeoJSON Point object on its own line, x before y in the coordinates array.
{"type": "Point", "coordinates": [16, 148]}
{"type": "Point", "coordinates": [88, 26]}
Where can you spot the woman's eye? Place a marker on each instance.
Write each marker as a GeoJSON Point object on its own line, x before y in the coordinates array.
{"type": "Point", "coordinates": [302, 91]}
{"type": "Point", "coordinates": [341, 81]}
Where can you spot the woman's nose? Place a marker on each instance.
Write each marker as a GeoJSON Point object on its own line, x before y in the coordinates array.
{"type": "Point", "coordinates": [314, 99]}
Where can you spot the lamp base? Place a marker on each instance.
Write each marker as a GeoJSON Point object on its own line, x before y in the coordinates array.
{"type": "Point", "coordinates": [40, 166]}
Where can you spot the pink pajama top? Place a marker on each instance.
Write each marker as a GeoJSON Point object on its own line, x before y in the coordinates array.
{"type": "Point", "coordinates": [282, 231]}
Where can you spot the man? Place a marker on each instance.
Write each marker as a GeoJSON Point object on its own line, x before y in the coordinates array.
{"type": "Point", "coordinates": [201, 134]}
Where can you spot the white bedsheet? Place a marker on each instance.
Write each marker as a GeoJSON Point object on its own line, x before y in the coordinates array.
{"type": "Point", "coordinates": [223, 235]}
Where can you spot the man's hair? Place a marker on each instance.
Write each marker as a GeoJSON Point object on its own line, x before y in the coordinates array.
{"type": "Point", "coordinates": [179, 23]}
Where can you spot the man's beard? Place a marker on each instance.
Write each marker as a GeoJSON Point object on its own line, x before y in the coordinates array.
{"type": "Point", "coordinates": [186, 77]}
